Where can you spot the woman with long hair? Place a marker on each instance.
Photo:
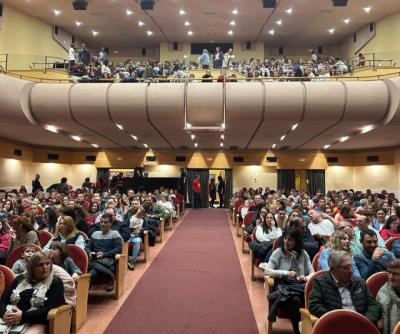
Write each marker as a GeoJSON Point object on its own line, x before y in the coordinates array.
{"type": "Point", "coordinates": [391, 228]}
{"type": "Point", "coordinates": [22, 233]}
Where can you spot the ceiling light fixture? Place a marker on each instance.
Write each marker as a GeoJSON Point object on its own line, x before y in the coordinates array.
{"type": "Point", "coordinates": [283, 137]}
{"type": "Point", "coordinates": [221, 145]}
{"type": "Point", "coordinates": [279, 22]}
{"type": "Point", "coordinates": [134, 137]}
{"type": "Point", "coordinates": [182, 12]}
{"type": "Point", "coordinates": [232, 23]}
{"type": "Point", "coordinates": [347, 21]}
{"type": "Point", "coordinates": [140, 23]}
{"type": "Point", "coordinates": [188, 125]}
{"type": "Point", "coordinates": [343, 139]}
{"type": "Point", "coordinates": [294, 126]}
{"type": "Point", "coordinates": [367, 9]}
{"type": "Point", "coordinates": [235, 12]}
{"type": "Point", "coordinates": [51, 128]}
{"type": "Point", "coordinates": [222, 136]}
{"type": "Point", "coordinates": [192, 136]}
{"type": "Point", "coordinates": [230, 32]}
{"type": "Point", "coordinates": [195, 145]}
{"type": "Point", "coordinates": [327, 146]}
{"type": "Point", "coordinates": [145, 145]}
{"type": "Point", "coordinates": [331, 31]}
{"type": "Point", "coordinates": [119, 126]}
{"type": "Point", "coordinates": [77, 138]}
{"type": "Point", "coordinates": [190, 33]}
{"type": "Point", "coordinates": [149, 33]}
{"type": "Point", "coordinates": [273, 146]}
{"type": "Point", "coordinates": [95, 145]}
{"type": "Point", "coordinates": [367, 128]}
{"type": "Point", "coordinates": [271, 32]}
{"type": "Point", "coordinates": [187, 23]}
{"type": "Point", "coordinates": [129, 12]}
{"type": "Point", "coordinates": [289, 10]}
{"type": "Point", "coordinates": [78, 23]}
{"type": "Point", "coordinates": [56, 12]}
{"type": "Point", "coordinates": [95, 33]}
{"type": "Point", "coordinates": [223, 125]}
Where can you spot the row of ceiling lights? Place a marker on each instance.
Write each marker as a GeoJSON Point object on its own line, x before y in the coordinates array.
{"type": "Point", "coordinates": [187, 23]}
{"type": "Point", "coordinates": [347, 20]}
{"type": "Point", "coordinates": [119, 126]}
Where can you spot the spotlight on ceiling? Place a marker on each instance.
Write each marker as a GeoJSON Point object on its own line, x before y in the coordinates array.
{"type": "Point", "coordinates": [80, 5]}
{"type": "Point", "coordinates": [339, 3]}
{"type": "Point", "coordinates": [147, 4]}
{"type": "Point", "coordinates": [269, 3]}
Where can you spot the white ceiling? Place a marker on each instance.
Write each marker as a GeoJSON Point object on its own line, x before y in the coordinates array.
{"type": "Point", "coordinates": [307, 25]}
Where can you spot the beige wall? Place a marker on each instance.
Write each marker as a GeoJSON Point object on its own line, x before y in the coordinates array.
{"type": "Point", "coordinates": [297, 52]}
{"type": "Point", "coordinates": [26, 39]}
{"type": "Point", "coordinates": [254, 176]}
{"type": "Point", "coordinates": [385, 43]}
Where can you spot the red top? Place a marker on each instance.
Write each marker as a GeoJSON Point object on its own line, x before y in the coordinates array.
{"type": "Point", "coordinates": [386, 234]}
{"type": "Point", "coordinates": [196, 185]}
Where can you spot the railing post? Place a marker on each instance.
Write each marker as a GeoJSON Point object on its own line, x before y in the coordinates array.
{"type": "Point", "coordinates": [373, 62]}
{"type": "Point", "coordinates": [45, 64]}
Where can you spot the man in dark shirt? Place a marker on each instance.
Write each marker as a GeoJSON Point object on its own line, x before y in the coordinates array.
{"type": "Point", "coordinates": [36, 184]}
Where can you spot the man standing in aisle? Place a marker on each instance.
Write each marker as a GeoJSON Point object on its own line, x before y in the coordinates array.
{"type": "Point", "coordinates": [196, 192]}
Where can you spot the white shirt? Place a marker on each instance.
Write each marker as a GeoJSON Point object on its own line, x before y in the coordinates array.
{"type": "Point", "coordinates": [325, 227]}
{"type": "Point", "coordinates": [261, 236]}
{"type": "Point", "coordinates": [71, 54]}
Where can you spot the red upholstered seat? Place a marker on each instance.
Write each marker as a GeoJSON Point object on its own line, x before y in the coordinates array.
{"type": "Point", "coordinates": [397, 329]}
{"type": "Point", "coordinates": [315, 261]}
{"type": "Point", "coordinates": [16, 254]}
{"type": "Point", "coordinates": [8, 276]}
{"type": "Point", "coordinates": [376, 281]}
{"type": "Point", "coordinates": [79, 256]}
{"type": "Point", "coordinates": [309, 284]}
{"type": "Point", "coordinates": [44, 237]}
{"type": "Point", "coordinates": [344, 322]}
{"type": "Point", "coordinates": [276, 244]}
{"type": "Point", "coordinates": [389, 242]}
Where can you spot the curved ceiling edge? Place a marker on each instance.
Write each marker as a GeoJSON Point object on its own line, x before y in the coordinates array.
{"type": "Point", "coordinates": [393, 86]}
{"type": "Point", "coordinates": [262, 114]}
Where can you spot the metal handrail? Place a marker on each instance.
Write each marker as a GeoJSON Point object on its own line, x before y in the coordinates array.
{"type": "Point", "coordinates": [4, 61]}
{"type": "Point", "coordinates": [64, 61]}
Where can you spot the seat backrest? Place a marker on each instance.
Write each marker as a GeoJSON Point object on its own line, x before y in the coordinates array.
{"type": "Point", "coordinates": [397, 329]}
{"type": "Point", "coordinates": [389, 242]}
{"type": "Point", "coordinates": [180, 198]}
{"type": "Point", "coordinates": [44, 237]}
{"type": "Point", "coordinates": [238, 203]}
{"type": "Point", "coordinates": [344, 322]}
{"type": "Point", "coordinates": [248, 217]}
{"type": "Point", "coordinates": [309, 284]}
{"type": "Point", "coordinates": [8, 276]}
{"type": "Point", "coordinates": [79, 256]}
{"type": "Point", "coordinates": [376, 281]}
{"type": "Point", "coordinates": [315, 261]}
{"type": "Point", "coordinates": [276, 244]}
{"type": "Point", "coordinates": [16, 254]}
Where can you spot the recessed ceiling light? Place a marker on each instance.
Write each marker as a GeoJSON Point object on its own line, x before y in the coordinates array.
{"type": "Point", "coordinates": [347, 21]}
{"type": "Point", "coordinates": [235, 12]}
{"type": "Point", "coordinates": [182, 12]}
{"type": "Point", "coordinates": [283, 137]}
{"type": "Point", "coordinates": [51, 128]}
{"type": "Point", "coordinates": [289, 10]}
{"type": "Point", "coordinates": [223, 125]}
{"type": "Point", "coordinates": [77, 138]}
{"type": "Point", "coordinates": [195, 144]}
{"type": "Point", "coordinates": [129, 12]}
{"type": "Point", "coordinates": [95, 33]}
{"type": "Point", "coordinates": [188, 125]}
{"type": "Point", "coordinates": [56, 12]}
{"type": "Point", "coordinates": [279, 22]}
{"type": "Point", "coordinates": [149, 33]}
{"type": "Point", "coordinates": [230, 32]}
{"type": "Point", "coordinates": [222, 137]}
{"type": "Point", "coordinates": [343, 139]}
{"type": "Point", "coordinates": [134, 137]}
{"type": "Point", "coordinates": [327, 146]}
{"type": "Point", "coordinates": [187, 23]}
{"type": "Point", "coordinates": [331, 31]}
{"type": "Point", "coordinates": [185, 56]}
{"type": "Point", "coordinates": [294, 126]}
{"type": "Point", "coordinates": [119, 126]}
{"type": "Point", "coordinates": [145, 145]}
{"type": "Point", "coordinates": [221, 145]}
{"type": "Point", "coordinates": [78, 23]}
{"type": "Point", "coordinates": [232, 23]}
{"type": "Point", "coordinates": [192, 136]}
{"type": "Point", "coordinates": [367, 128]}
{"type": "Point", "coordinates": [271, 32]}
{"type": "Point", "coordinates": [140, 23]}
{"type": "Point", "coordinates": [116, 51]}
{"type": "Point", "coordinates": [190, 33]}
{"type": "Point", "coordinates": [367, 9]}
{"type": "Point", "coordinates": [273, 146]}
{"type": "Point", "coordinates": [95, 145]}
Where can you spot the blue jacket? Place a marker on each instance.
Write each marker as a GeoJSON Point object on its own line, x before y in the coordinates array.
{"type": "Point", "coordinates": [205, 59]}
{"type": "Point", "coordinates": [367, 267]}
{"type": "Point", "coordinates": [323, 262]}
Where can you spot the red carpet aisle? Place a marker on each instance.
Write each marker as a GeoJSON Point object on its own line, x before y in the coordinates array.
{"type": "Point", "coordinates": [194, 286]}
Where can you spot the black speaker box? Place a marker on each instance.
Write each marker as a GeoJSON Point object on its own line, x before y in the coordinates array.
{"type": "Point", "coordinates": [339, 3]}
{"type": "Point", "coordinates": [269, 3]}
{"type": "Point", "coordinates": [147, 4]}
{"type": "Point", "coordinates": [80, 5]}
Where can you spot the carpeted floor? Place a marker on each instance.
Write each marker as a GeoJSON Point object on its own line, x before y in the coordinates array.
{"type": "Point", "coordinates": [194, 286]}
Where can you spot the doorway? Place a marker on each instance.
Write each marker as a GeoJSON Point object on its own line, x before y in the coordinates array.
{"type": "Point", "coordinates": [213, 176]}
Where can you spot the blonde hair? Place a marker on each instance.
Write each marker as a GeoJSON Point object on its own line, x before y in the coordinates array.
{"type": "Point", "coordinates": [334, 241]}
{"type": "Point", "coordinates": [71, 229]}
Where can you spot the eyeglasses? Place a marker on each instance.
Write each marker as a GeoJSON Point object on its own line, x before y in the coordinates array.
{"type": "Point", "coordinates": [345, 267]}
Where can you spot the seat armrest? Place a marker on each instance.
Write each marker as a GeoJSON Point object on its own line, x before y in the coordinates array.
{"type": "Point", "coordinates": [268, 284]}
{"type": "Point", "coordinates": [60, 319]}
{"type": "Point", "coordinates": [308, 321]}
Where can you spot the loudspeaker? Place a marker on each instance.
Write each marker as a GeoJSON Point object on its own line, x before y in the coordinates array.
{"type": "Point", "coordinates": [372, 158]}
{"type": "Point", "coordinates": [339, 3]}
{"type": "Point", "coordinates": [143, 51]}
{"type": "Point", "coordinates": [269, 3]}
{"type": "Point", "coordinates": [17, 152]}
{"type": "Point", "coordinates": [280, 50]}
{"type": "Point", "coordinates": [1, 10]}
{"type": "Point", "coordinates": [147, 4]}
{"type": "Point", "coordinates": [52, 156]}
{"type": "Point", "coordinates": [175, 46]}
{"type": "Point", "coordinates": [80, 5]}
{"type": "Point", "coordinates": [90, 158]}
{"type": "Point", "coordinates": [180, 158]}
{"type": "Point", "coordinates": [371, 27]}
{"type": "Point", "coordinates": [73, 39]}
{"type": "Point", "coordinates": [151, 158]}
{"type": "Point", "coordinates": [355, 37]}
{"type": "Point", "coordinates": [332, 159]}
{"type": "Point", "coordinates": [271, 159]}
{"type": "Point", "coordinates": [320, 50]}
{"type": "Point", "coordinates": [55, 30]}
{"type": "Point", "coordinates": [238, 159]}
{"type": "Point", "coordinates": [248, 45]}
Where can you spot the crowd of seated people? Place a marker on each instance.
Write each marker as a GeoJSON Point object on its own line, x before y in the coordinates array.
{"type": "Point", "coordinates": [95, 220]}
{"type": "Point", "coordinates": [344, 232]}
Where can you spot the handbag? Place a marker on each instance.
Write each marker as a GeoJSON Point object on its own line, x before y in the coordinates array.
{"type": "Point", "coordinates": [13, 329]}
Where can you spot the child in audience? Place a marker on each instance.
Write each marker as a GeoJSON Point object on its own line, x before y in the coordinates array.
{"type": "Point", "coordinates": [20, 265]}
{"type": "Point", "coordinates": [60, 257]}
